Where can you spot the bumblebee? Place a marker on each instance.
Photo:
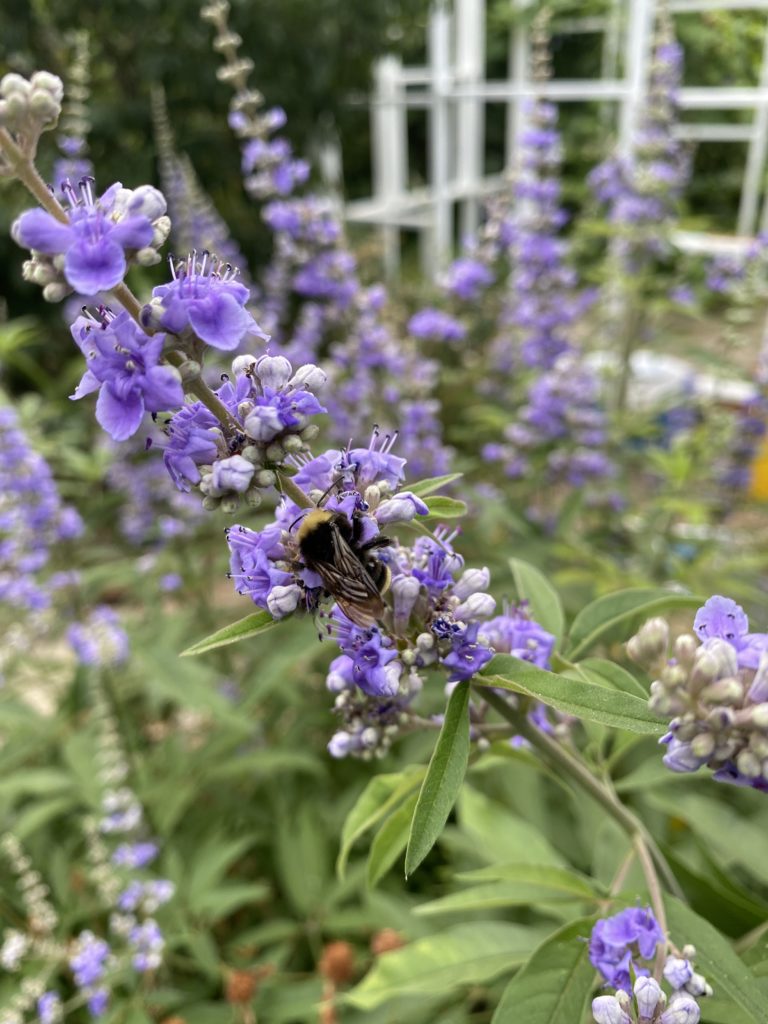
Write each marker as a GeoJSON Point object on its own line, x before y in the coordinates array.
{"type": "Point", "coordinates": [331, 545]}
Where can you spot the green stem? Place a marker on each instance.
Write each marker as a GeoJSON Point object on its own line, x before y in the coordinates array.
{"type": "Point", "coordinates": [576, 771]}
{"type": "Point", "coordinates": [293, 491]}
{"type": "Point", "coordinates": [24, 169]}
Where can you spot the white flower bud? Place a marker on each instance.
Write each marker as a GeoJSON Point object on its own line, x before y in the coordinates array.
{"type": "Point", "coordinates": [647, 995]}
{"type": "Point", "coordinates": [682, 1009]}
{"type": "Point", "coordinates": [14, 85]}
{"type": "Point", "coordinates": [476, 608]}
{"type": "Point", "coordinates": [273, 371]}
{"type": "Point", "coordinates": [283, 600]}
{"type": "Point", "coordinates": [243, 364]}
{"type": "Point", "coordinates": [606, 1010]}
{"type": "Point", "coordinates": [47, 82]}
{"type": "Point", "coordinates": [308, 378]}
{"type": "Point", "coordinates": [749, 764]}
{"type": "Point", "coordinates": [470, 581]}
{"type": "Point", "coordinates": [724, 691]}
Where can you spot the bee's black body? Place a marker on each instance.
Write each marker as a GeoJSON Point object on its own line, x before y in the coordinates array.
{"type": "Point", "coordinates": [330, 544]}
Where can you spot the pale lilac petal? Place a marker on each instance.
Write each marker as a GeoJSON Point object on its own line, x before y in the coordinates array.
{"type": "Point", "coordinates": [162, 389]}
{"type": "Point", "coordinates": [220, 321]}
{"type": "Point", "coordinates": [132, 232]}
{"type": "Point", "coordinates": [39, 230]}
{"type": "Point", "coordinates": [119, 416]}
{"type": "Point", "coordinates": [88, 384]}
{"type": "Point", "coordinates": [92, 267]}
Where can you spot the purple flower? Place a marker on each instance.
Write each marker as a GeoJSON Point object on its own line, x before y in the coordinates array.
{"type": "Point", "coordinates": [148, 943]}
{"type": "Point", "coordinates": [100, 640]}
{"type": "Point", "coordinates": [88, 962]}
{"type": "Point", "coordinates": [467, 278]}
{"type": "Point", "coordinates": [468, 655]}
{"type": "Point", "coordinates": [96, 237]}
{"type": "Point", "coordinates": [204, 296]}
{"type": "Point", "coordinates": [618, 941]}
{"type": "Point", "coordinates": [517, 634]}
{"type": "Point", "coordinates": [722, 617]}
{"type": "Point", "coordinates": [135, 855]}
{"type": "Point", "coordinates": [124, 366]}
{"type": "Point", "coordinates": [434, 325]}
{"type": "Point", "coordinates": [49, 1008]}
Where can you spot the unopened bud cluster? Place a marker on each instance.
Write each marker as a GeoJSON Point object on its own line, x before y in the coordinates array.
{"type": "Point", "coordinates": [715, 693]}
{"type": "Point", "coordinates": [649, 1004]}
{"type": "Point", "coordinates": [29, 107]}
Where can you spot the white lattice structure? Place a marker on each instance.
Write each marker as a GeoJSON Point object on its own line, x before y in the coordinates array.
{"type": "Point", "coordinates": [454, 92]}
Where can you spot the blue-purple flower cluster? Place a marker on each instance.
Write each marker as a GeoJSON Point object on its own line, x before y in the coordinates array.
{"type": "Point", "coordinates": [642, 191]}
{"type": "Point", "coordinates": [118, 854]}
{"type": "Point", "coordinates": [89, 249]}
{"type": "Point", "coordinates": [312, 301]}
{"type": "Point", "coordinates": [560, 432]}
{"type": "Point", "coordinates": [33, 520]}
{"type": "Point", "coordinates": [621, 947]}
{"type": "Point", "coordinates": [714, 692]}
{"type": "Point", "coordinates": [99, 641]}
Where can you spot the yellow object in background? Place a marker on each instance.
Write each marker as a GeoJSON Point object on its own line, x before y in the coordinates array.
{"type": "Point", "coordinates": [758, 483]}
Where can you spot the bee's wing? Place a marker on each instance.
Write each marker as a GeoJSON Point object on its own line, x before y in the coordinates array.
{"type": "Point", "coordinates": [347, 580]}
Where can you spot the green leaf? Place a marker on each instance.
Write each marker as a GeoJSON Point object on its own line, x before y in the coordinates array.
{"type": "Point", "coordinates": [443, 780]}
{"type": "Point", "coordinates": [561, 880]}
{"type": "Point", "coordinates": [441, 507]}
{"type": "Point", "coordinates": [555, 984]}
{"type": "Point", "coordinates": [716, 960]}
{"type": "Point", "coordinates": [493, 895]}
{"type": "Point", "coordinates": [35, 782]}
{"type": "Point", "coordinates": [573, 696]}
{"type": "Point", "coordinates": [252, 625]}
{"type": "Point", "coordinates": [379, 798]}
{"type": "Point", "coordinates": [616, 677]}
{"type": "Point", "coordinates": [614, 615]}
{"type": "Point", "coordinates": [215, 904]}
{"type": "Point", "coordinates": [424, 487]}
{"type": "Point", "coordinates": [390, 841]}
{"type": "Point", "coordinates": [498, 834]}
{"type": "Point", "coordinates": [464, 955]}
{"type": "Point", "coordinates": [533, 586]}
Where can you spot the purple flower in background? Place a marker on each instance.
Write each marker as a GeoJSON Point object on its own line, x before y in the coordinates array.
{"type": "Point", "coordinates": [100, 640]}
{"type": "Point", "coordinates": [123, 365]}
{"type": "Point", "coordinates": [516, 633]}
{"type": "Point", "coordinates": [434, 325]}
{"type": "Point", "coordinates": [97, 235]}
{"type": "Point", "coordinates": [619, 942]}
{"type": "Point", "coordinates": [467, 278]}
{"type": "Point", "coordinates": [204, 296]}
{"type": "Point", "coordinates": [49, 1008]}
{"type": "Point", "coordinates": [89, 960]}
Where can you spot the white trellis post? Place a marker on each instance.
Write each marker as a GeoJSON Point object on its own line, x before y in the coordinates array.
{"type": "Point", "coordinates": [638, 28]}
{"type": "Point", "coordinates": [469, 22]}
{"type": "Point", "coordinates": [758, 148]}
{"type": "Point", "coordinates": [440, 149]}
{"type": "Point", "coordinates": [390, 155]}
{"type": "Point", "coordinates": [517, 75]}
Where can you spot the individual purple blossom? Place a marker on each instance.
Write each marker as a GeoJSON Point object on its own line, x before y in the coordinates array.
{"type": "Point", "coordinates": [204, 296]}
{"type": "Point", "coordinates": [49, 1008]}
{"type": "Point", "coordinates": [434, 325]}
{"type": "Point", "coordinates": [99, 641]}
{"type": "Point", "coordinates": [148, 943]}
{"type": "Point", "coordinates": [135, 855]}
{"type": "Point", "coordinates": [88, 962]}
{"type": "Point", "coordinates": [620, 942]}
{"type": "Point", "coordinates": [722, 617]}
{"type": "Point", "coordinates": [99, 235]}
{"type": "Point", "coordinates": [468, 655]}
{"type": "Point", "coordinates": [467, 278]}
{"type": "Point", "coordinates": [123, 365]}
{"type": "Point", "coordinates": [516, 633]}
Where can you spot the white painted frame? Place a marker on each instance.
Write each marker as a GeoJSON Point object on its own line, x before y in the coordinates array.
{"type": "Point", "coordinates": [452, 89]}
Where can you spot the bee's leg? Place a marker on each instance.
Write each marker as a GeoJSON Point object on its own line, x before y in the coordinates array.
{"type": "Point", "coordinates": [379, 541]}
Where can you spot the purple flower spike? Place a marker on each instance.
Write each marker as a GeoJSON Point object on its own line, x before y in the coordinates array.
{"type": "Point", "coordinates": [124, 365]}
{"type": "Point", "coordinates": [205, 296]}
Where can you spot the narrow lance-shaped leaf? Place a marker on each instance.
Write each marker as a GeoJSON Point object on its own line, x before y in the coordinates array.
{"type": "Point", "coordinates": [533, 587]}
{"type": "Point", "coordinates": [443, 780]}
{"type": "Point", "coordinates": [433, 483]}
{"type": "Point", "coordinates": [716, 960]}
{"type": "Point", "coordinates": [612, 615]}
{"type": "Point", "coordinates": [555, 984]}
{"type": "Point", "coordinates": [441, 507]}
{"type": "Point", "coordinates": [244, 629]}
{"type": "Point", "coordinates": [572, 696]}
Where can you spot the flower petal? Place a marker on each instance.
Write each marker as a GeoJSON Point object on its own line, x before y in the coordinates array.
{"type": "Point", "coordinates": [88, 384]}
{"type": "Point", "coordinates": [132, 232]}
{"type": "Point", "coordinates": [162, 389]}
{"type": "Point", "coordinates": [37, 229]}
{"type": "Point", "coordinates": [220, 321]}
{"type": "Point", "coordinates": [119, 416]}
{"type": "Point", "coordinates": [92, 267]}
